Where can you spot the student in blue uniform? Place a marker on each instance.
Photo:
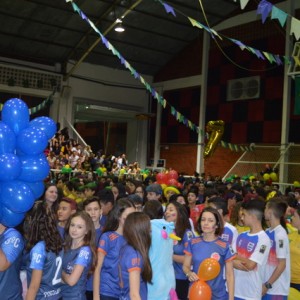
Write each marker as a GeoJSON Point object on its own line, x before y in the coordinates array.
{"type": "Point", "coordinates": [93, 207]}
{"type": "Point", "coordinates": [79, 256]}
{"type": "Point", "coordinates": [44, 255]}
{"type": "Point", "coordinates": [106, 275]}
{"type": "Point", "coordinates": [11, 247]}
{"type": "Point", "coordinates": [134, 261]}
{"type": "Point", "coordinates": [210, 245]}
{"type": "Point", "coordinates": [177, 213]}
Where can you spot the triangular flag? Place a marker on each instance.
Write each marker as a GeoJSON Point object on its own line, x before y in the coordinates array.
{"type": "Point", "coordinates": [295, 28]}
{"type": "Point", "coordinates": [169, 9]}
{"type": "Point", "coordinates": [195, 23]}
{"type": "Point", "coordinates": [83, 16]}
{"type": "Point", "coordinates": [264, 8]}
{"type": "Point", "coordinates": [244, 3]}
{"type": "Point", "coordinates": [173, 111]}
{"type": "Point", "coordinates": [278, 14]}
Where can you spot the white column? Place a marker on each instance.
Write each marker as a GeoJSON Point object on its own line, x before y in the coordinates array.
{"type": "Point", "coordinates": [202, 106]}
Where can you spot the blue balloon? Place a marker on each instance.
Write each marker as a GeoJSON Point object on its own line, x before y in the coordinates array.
{"type": "Point", "coordinates": [9, 218]}
{"type": "Point", "coordinates": [7, 139]}
{"type": "Point", "coordinates": [34, 168]}
{"type": "Point", "coordinates": [15, 114]}
{"type": "Point", "coordinates": [37, 188]}
{"type": "Point", "coordinates": [10, 166]}
{"type": "Point", "coordinates": [32, 140]}
{"type": "Point", "coordinates": [17, 196]}
{"type": "Point", "coordinates": [45, 124]}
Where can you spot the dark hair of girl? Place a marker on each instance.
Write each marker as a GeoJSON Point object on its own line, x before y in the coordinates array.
{"type": "Point", "coordinates": [137, 230]}
{"type": "Point", "coordinates": [219, 221]}
{"type": "Point", "coordinates": [278, 207]}
{"type": "Point", "coordinates": [54, 206]}
{"type": "Point", "coordinates": [182, 222]}
{"type": "Point", "coordinates": [234, 216]}
{"type": "Point", "coordinates": [88, 240]}
{"type": "Point", "coordinates": [112, 222]}
{"type": "Point", "coordinates": [40, 225]}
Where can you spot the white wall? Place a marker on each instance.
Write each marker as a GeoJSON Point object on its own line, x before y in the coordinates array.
{"type": "Point", "coordinates": [99, 83]}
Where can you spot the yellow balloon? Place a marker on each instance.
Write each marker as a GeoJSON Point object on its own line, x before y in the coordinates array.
{"type": "Point", "coordinates": [294, 294]}
{"type": "Point", "coordinates": [216, 130]}
{"type": "Point", "coordinates": [296, 183]}
{"type": "Point", "coordinates": [266, 176]}
{"type": "Point", "coordinates": [273, 176]}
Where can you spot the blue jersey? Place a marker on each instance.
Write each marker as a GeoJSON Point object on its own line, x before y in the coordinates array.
{"type": "Point", "coordinates": [103, 221]}
{"type": "Point", "coordinates": [110, 244]}
{"type": "Point", "coordinates": [130, 260]}
{"type": "Point", "coordinates": [11, 244]}
{"type": "Point", "coordinates": [179, 250]}
{"type": "Point", "coordinates": [217, 249]}
{"type": "Point", "coordinates": [51, 265]}
{"type": "Point", "coordinates": [81, 256]}
{"type": "Point", "coordinates": [61, 231]}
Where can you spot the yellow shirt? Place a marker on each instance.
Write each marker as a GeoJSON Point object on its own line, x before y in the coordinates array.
{"type": "Point", "coordinates": [294, 238]}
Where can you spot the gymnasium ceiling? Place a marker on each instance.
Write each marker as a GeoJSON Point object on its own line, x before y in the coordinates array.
{"type": "Point", "coordinates": [50, 32]}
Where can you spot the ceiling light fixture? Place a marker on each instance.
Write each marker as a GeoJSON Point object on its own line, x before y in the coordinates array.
{"type": "Point", "coordinates": [119, 27]}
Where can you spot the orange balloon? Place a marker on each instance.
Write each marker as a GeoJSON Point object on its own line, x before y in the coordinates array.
{"type": "Point", "coordinates": [209, 269]}
{"type": "Point", "coordinates": [200, 290]}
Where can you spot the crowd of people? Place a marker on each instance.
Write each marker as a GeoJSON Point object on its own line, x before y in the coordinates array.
{"type": "Point", "coordinates": [66, 154]}
{"type": "Point", "coordinates": [89, 237]}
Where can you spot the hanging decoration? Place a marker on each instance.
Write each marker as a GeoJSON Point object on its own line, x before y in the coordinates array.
{"type": "Point", "coordinates": [47, 102]}
{"type": "Point", "coordinates": [215, 130]}
{"type": "Point", "coordinates": [163, 102]}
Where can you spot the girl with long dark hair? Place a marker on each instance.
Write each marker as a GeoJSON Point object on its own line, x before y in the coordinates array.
{"type": "Point", "coordinates": [80, 256]}
{"type": "Point", "coordinates": [106, 275]}
{"type": "Point", "coordinates": [134, 264]}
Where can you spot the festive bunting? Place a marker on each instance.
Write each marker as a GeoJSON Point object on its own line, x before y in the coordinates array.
{"type": "Point", "coordinates": [169, 9]}
{"type": "Point", "coordinates": [264, 8]}
{"type": "Point", "coordinates": [295, 28]}
{"type": "Point", "coordinates": [278, 14]}
{"type": "Point", "coordinates": [33, 110]}
{"type": "Point", "coordinates": [244, 3]}
{"type": "Point", "coordinates": [134, 73]}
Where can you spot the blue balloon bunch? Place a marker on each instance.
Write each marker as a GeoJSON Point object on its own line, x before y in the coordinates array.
{"type": "Point", "coordinates": [23, 165]}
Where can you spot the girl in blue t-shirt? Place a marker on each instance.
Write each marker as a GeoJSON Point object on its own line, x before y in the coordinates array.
{"type": "Point", "coordinates": [43, 256]}
{"type": "Point", "coordinates": [210, 245]}
{"type": "Point", "coordinates": [134, 263]}
{"type": "Point", "coordinates": [79, 257]}
{"type": "Point", "coordinates": [106, 275]}
{"type": "Point", "coordinates": [177, 213]}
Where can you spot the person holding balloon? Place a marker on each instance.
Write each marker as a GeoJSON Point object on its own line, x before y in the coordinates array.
{"type": "Point", "coordinates": [177, 213]}
{"type": "Point", "coordinates": [208, 254]}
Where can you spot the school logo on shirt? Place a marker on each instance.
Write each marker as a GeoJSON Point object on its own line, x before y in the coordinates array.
{"type": "Point", "coordinates": [262, 249]}
{"type": "Point", "coordinates": [250, 246]}
{"type": "Point", "coordinates": [215, 255]}
{"type": "Point", "coordinates": [280, 243]}
{"type": "Point", "coordinates": [189, 235]}
{"type": "Point", "coordinates": [225, 237]}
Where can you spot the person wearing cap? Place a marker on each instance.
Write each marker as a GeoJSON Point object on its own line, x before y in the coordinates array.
{"type": "Point", "coordinates": [169, 191]}
{"type": "Point", "coordinates": [154, 192]}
